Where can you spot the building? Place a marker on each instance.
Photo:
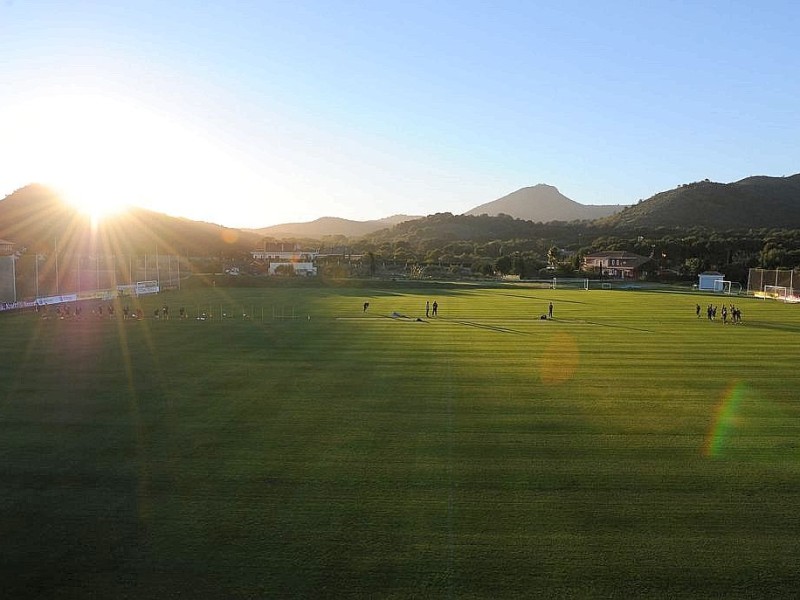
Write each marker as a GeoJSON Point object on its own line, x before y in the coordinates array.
{"type": "Point", "coordinates": [283, 251]}
{"type": "Point", "coordinates": [708, 279]}
{"type": "Point", "coordinates": [305, 269]}
{"type": "Point", "coordinates": [278, 255]}
{"type": "Point", "coordinates": [6, 247]}
{"type": "Point", "coordinates": [617, 264]}
{"type": "Point", "coordinates": [284, 255]}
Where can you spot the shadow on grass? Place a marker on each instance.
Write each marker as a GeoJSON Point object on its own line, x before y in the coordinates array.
{"type": "Point", "coordinates": [489, 327]}
{"type": "Point", "coordinates": [773, 326]}
{"type": "Point", "coordinates": [613, 325]}
{"type": "Point", "coordinates": [541, 298]}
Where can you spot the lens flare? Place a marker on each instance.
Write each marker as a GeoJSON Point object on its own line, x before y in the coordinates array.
{"type": "Point", "coordinates": [726, 419]}
{"type": "Point", "coordinates": [229, 236]}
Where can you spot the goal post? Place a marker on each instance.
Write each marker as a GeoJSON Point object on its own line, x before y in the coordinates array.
{"type": "Point", "coordinates": [727, 287]}
{"type": "Point", "coordinates": [570, 283]}
{"type": "Point", "coordinates": [777, 292]}
{"type": "Point", "coordinates": [144, 288]}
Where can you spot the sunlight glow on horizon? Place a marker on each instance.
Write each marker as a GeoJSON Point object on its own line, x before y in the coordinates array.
{"type": "Point", "coordinates": [105, 154]}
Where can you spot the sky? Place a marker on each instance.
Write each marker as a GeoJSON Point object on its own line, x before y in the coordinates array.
{"type": "Point", "coordinates": [249, 114]}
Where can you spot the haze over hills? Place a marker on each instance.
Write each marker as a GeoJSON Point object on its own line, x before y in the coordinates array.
{"type": "Point", "coordinates": [539, 203]}
{"type": "Point", "coordinates": [543, 203]}
{"type": "Point", "coordinates": [754, 202]}
{"type": "Point", "coordinates": [326, 226]}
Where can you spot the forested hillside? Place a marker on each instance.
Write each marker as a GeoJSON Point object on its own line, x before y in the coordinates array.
{"type": "Point", "coordinates": [760, 202]}
{"type": "Point", "coordinates": [37, 218]}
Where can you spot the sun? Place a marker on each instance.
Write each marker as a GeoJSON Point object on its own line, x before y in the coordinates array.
{"type": "Point", "coordinates": [97, 151]}
{"type": "Point", "coordinates": [106, 153]}
{"type": "Point", "coordinates": [97, 204]}
{"type": "Point", "coordinates": [103, 154]}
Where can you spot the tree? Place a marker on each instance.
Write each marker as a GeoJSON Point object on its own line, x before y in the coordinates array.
{"type": "Point", "coordinates": [503, 265]}
{"type": "Point", "coordinates": [772, 256]}
{"type": "Point", "coordinates": [371, 258]}
{"type": "Point", "coordinates": [552, 256]}
{"type": "Point", "coordinates": [518, 265]}
{"type": "Point", "coordinates": [692, 266]}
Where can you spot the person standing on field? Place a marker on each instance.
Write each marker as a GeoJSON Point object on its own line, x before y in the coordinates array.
{"type": "Point", "coordinates": [435, 308]}
{"type": "Point", "coordinates": [427, 309]}
{"type": "Point", "coordinates": [550, 311]}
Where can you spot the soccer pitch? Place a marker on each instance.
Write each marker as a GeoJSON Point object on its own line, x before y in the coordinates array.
{"type": "Point", "coordinates": [624, 448]}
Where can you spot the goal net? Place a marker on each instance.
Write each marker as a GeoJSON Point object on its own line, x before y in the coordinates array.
{"type": "Point", "coordinates": [779, 292]}
{"type": "Point", "coordinates": [570, 283]}
{"type": "Point", "coordinates": [727, 287]}
{"type": "Point", "coordinates": [146, 287]}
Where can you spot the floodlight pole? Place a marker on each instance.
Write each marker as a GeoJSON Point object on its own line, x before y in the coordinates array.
{"type": "Point", "coordinates": [56, 247]}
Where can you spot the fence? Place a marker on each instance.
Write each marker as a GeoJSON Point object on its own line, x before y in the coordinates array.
{"type": "Point", "coordinates": [33, 276]}
{"type": "Point", "coordinates": [764, 282]}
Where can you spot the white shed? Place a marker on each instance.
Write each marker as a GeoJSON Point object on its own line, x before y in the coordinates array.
{"type": "Point", "coordinates": [300, 268]}
{"type": "Point", "coordinates": [708, 279]}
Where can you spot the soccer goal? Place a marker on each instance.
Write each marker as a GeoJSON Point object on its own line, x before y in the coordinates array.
{"type": "Point", "coordinates": [146, 287]}
{"type": "Point", "coordinates": [570, 283]}
{"type": "Point", "coordinates": [727, 287]}
{"type": "Point", "coordinates": [777, 292]}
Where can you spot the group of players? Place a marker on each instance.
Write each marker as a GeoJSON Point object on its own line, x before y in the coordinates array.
{"type": "Point", "coordinates": [734, 312]}
{"type": "Point", "coordinates": [68, 311]}
{"type": "Point", "coordinates": [73, 312]}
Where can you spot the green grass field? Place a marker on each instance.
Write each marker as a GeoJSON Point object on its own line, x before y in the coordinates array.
{"type": "Point", "coordinates": [623, 449]}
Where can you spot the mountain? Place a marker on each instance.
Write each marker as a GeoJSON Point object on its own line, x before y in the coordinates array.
{"type": "Point", "coordinates": [543, 203]}
{"type": "Point", "coordinates": [332, 226]}
{"type": "Point", "coordinates": [37, 218]}
{"type": "Point", "coordinates": [754, 202]}
{"type": "Point", "coordinates": [440, 229]}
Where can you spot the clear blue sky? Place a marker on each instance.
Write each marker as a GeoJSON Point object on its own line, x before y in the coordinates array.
{"type": "Point", "coordinates": [255, 113]}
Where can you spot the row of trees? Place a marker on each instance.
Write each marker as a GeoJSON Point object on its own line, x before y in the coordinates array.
{"type": "Point", "coordinates": [487, 246]}
{"type": "Point", "coordinates": [674, 254]}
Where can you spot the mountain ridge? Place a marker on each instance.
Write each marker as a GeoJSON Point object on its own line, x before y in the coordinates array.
{"type": "Point", "coordinates": [543, 203]}
{"type": "Point", "coordinates": [753, 202]}
{"type": "Point", "coordinates": [35, 217]}
{"type": "Point", "coordinates": [332, 226]}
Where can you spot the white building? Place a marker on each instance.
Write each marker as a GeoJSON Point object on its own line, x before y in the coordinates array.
{"type": "Point", "coordinates": [708, 279]}
{"type": "Point", "coordinates": [306, 269]}
{"type": "Point", "coordinates": [284, 255]}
